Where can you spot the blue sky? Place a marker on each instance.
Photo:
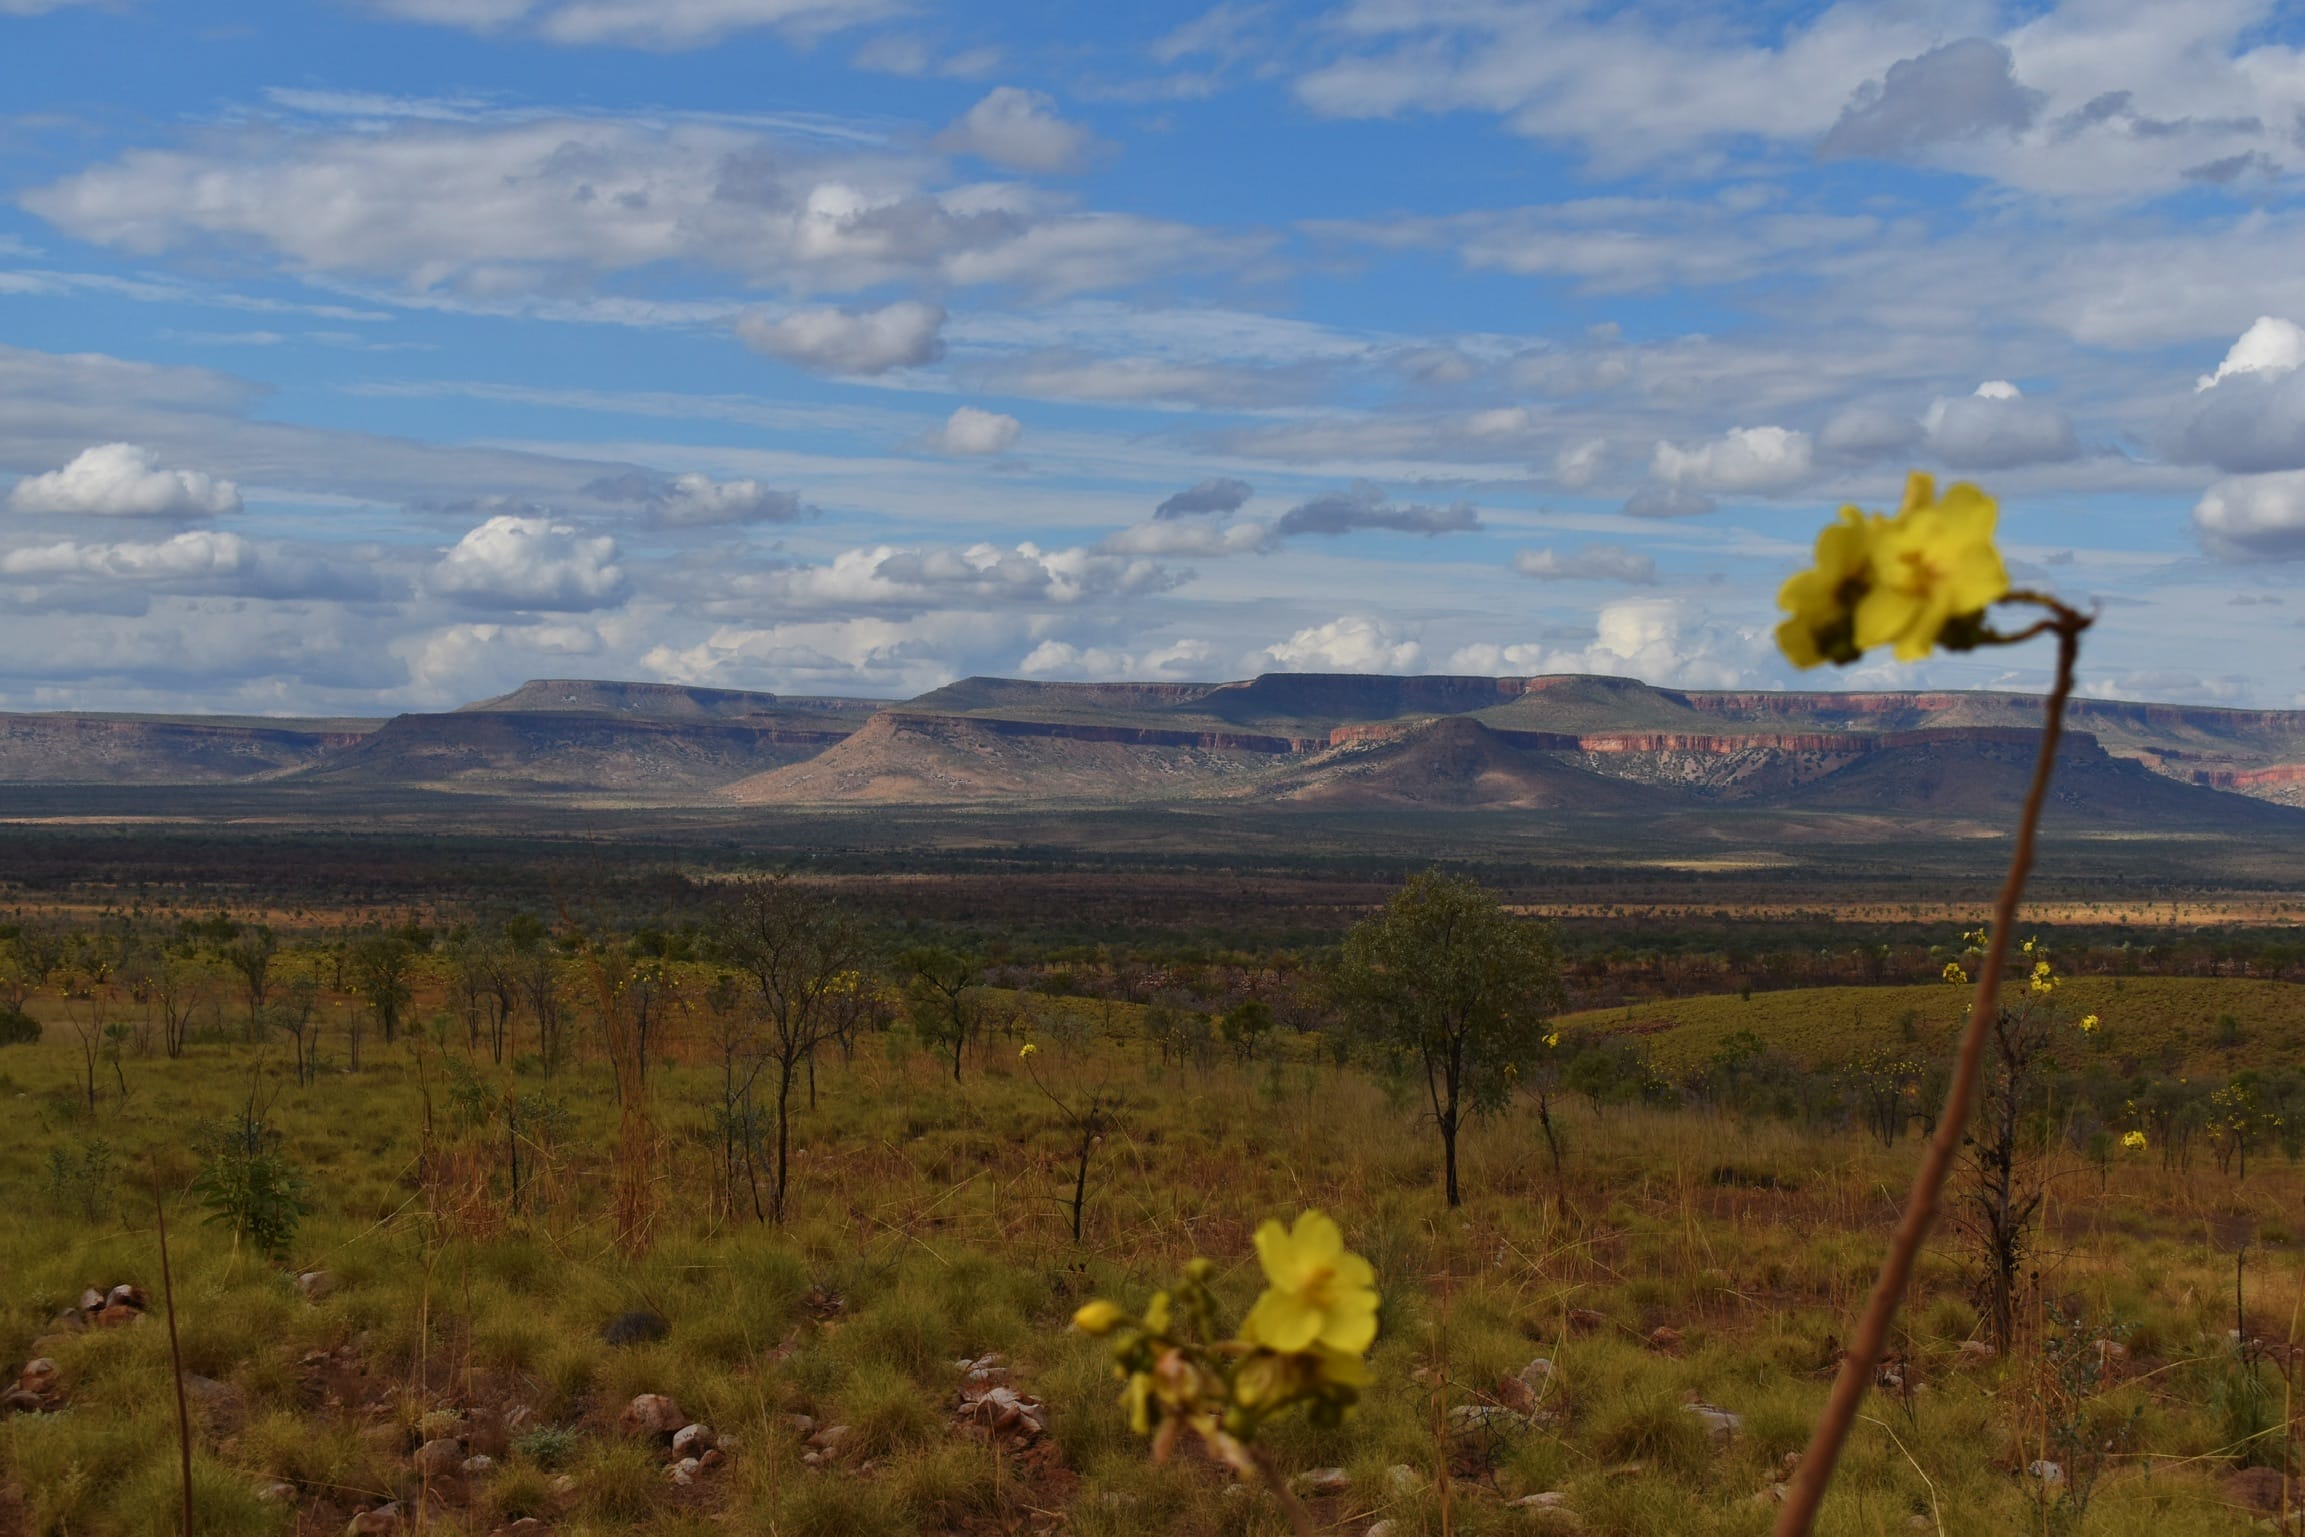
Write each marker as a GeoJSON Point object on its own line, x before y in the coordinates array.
{"type": "Point", "coordinates": [360, 355]}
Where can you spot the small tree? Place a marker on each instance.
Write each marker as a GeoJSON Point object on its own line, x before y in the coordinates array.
{"type": "Point", "coordinates": [801, 954]}
{"type": "Point", "coordinates": [1446, 975]}
{"type": "Point", "coordinates": [295, 1014]}
{"type": "Point", "coordinates": [250, 956]}
{"type": "Point", "coordinates": [944, 989]}
{"type": "Point", "coordinates": [380, 964]}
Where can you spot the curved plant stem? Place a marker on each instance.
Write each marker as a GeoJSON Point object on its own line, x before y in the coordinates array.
{"type": "Point", "coordinates": [1806, 1493]}
{"type": "Point", "coordinates": [1300, 1519]}
{"type": "Point", "coordinates": [175, 1360]}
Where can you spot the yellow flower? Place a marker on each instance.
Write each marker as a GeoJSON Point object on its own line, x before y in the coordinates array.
{"type": "Point", "coordinates": [1823, 600]}
{"type": "Point", "coordinates": [1933, 565]}
{"type": "Point", "coordinates": [1026, 1050]}
{"type": "Point", "coordinates": [1099, 1317]}
{"type": "Point", "coordinates": [1552, 1039]}
{"type": "Point", "coordinates": [1955, 975]}
{"type": "Point", "coordinates": [2134, 1141]}
{"type": "Point", "coordinates": [2029, 944]}
{"type": "Point", "coordinates": [1317, 1292]}
{"type": "Point", "coordinates": [2044, 981]}
{"type": "Point", "coordinates": [2089, 1024]}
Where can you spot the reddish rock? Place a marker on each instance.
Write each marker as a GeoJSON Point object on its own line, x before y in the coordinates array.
{"type": "Point", "coordinates": [38, 1376]}
{"type": "Point", "coordinates": [126, 1296]}
{"type": "Point", "coordinates": [113, 1315]}
{"type": "Point", "coordinates": [653, 1415]}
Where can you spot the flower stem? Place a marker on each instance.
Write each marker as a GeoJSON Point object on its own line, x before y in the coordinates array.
{"type": "Point", "coordinates": [1300, 1519]}
{"type": "Point", "coordinates": [1807, 1491]}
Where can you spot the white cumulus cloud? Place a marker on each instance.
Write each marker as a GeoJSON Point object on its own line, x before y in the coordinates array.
{"type": "Point", "coordinates": [905, 334]}
{"type": "Point", "coordinates": [1019, 130]}
{"type": "Point", "coordinates": [1743, 459]}
{"type": "Point", "coordinates": [529, 562]}
{"type": "Point", "coordinates": [1351, 643]}
{"type": "Point", "coordinates": [124, 481]}
{"type": "Point", "coordinates": [2271, 346]}
{"type": "Point", "coordinates": [972, 431]}
{"type": "Point", "coordinates": [2254, 517]}
{"type": "Point", "coordinates": [200, 553]}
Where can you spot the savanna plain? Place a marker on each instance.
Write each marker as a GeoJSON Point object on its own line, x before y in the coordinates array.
{"type": "Point", "coordinates": [570, 1185]}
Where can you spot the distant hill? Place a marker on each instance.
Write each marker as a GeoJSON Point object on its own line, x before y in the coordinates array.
{"type": "Point", "coordinates": [1569, 745]}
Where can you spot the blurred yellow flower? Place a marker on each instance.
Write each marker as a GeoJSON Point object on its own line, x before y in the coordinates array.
{"type": "Point", "coordinates": [1933, 564]}
{"type": "Point", "coordinates": [2134, 1141]}
{"type": "Point", "coordinates": [2089, 1024]}
{"type": "Point", "coordinates": [1916, 581]}
{"type": "Point", "coordinates": [1823, 600]}
{"type": "Point", "coordinates": [1955, 975]}
{"type": "Point", "coordinates": [2043, 981]}
{"type": "Point", "coordinates": [1026, 1050]}
{"type": "Point", "coordinates": [1317, 1292]}
{"type": "Point", "coordinates": [1099, 1317]}
{"type": "Point", "coordinates": [1552, 1039]}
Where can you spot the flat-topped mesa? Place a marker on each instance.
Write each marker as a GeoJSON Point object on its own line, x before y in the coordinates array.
{"type": "Point", "coordinates": [590, 696]}
{"type": "Point", "coordinates": [1133, 736]}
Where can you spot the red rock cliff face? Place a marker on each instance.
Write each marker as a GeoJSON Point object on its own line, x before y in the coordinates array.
{"type": "Point", "coordinates": [2251, 779]}
{"type": "Point", "coordinates": [1135, 736]}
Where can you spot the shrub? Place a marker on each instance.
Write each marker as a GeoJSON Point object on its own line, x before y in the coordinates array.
{"type": "Point", "coordinates": [18, 1028]}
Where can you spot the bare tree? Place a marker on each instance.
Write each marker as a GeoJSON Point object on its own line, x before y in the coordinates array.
{"type": "Point", "coordinates": [295, 1014]}
{"type": "Point", "coordinates": [801, 954]}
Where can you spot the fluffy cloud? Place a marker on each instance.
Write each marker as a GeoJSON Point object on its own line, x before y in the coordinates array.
{"type": "Point", "coordinates": [1959, 91]}
{"type": "Point", "coordinates": [1652, 639]}
{"type": "Point", "coordinates": [1222, 494]}
{"type": "Point", "coordinates": [1593, 563]}
{"type": "Point", "coordinates": [657, 24]}
{"type": "Point", "coordinates": [1655, 501]}
{"type": "Point", "coordinates": [2249, 416]}
{"type": "Point", "coordinates": [905, 334]}
{"type": "Point", "coordinates": [202, 553]}
{"type": "Point", "coordinates": [1019, 130]}
{"type": "Point", "coordinates": [531, 562]}
{"type": "Point", "coordinates": [2254, 517]}
{"type": "Point", "coordinates": [1365, 505]}
{"type": "Point", "coordinates": [2271, 346]}
{"type": "Point", "coordinates": [123, 480]}
{"type": "Point", "coordinates": [1062, 659]}
{"type": "Point", "coordinates": [1348, 644]}
{"type": "Point", "coordinates": [1741, 460]}
{"type": "Point", "coordinates": [892, 577]}
{"type": "Point", "coordinates": [972, 431]}
{"type": "Point", "coordinates": [1997, 428]}
{"type": "Point", "coordinates": [698, 501]}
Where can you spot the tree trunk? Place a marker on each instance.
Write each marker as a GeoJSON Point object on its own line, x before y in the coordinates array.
{"type": "Point", "coordinates": [783, 1134]}
{"type": "Point", "coordinates": [1449, 1153]}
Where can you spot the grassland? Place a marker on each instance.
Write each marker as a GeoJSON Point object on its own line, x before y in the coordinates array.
{"type": "Point", "coordinates": [928, 1228]}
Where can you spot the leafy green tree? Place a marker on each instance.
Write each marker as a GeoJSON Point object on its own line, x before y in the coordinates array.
{"type": "Point", "coordinates": [250, 956]}
{"type": "Point", "coordinates": [944, 991]}
{"type": "Point", "coordinates": [248, 1185]}
{"type": "Point", "coordinates": [1445, 975]}
{"type": "Point", "coordinates": [380, 964]}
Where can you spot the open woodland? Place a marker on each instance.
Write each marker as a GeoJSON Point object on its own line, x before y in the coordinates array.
{"type": "Point", "coordinates": [465, 1150]}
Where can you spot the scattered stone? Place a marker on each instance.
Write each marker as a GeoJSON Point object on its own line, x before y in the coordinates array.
{"type": "Point", "coordinates": [1551, 1499]}
{"type": "Point", "coordinates": [480, 1462]}
{"type": "Point", "coordinates": [1719, 1423]}
{"type": "Point", "coordinates": [126, 1296]}
{"type": "Point", "coordinates": [823, 1302]}
{"type": "Point", "coordinates": [315, 1284]}
{"type": "Point", "coordinates": [38, 1376]}
{"type": "Point", "coordinates": [1322, 1481]}
{"type": "Point", "coordinates": [1978, 1350]}
{"type": "Point", "coordinates": [1585, 1320]}
{"type": "Point", "coordinates": [437, 1458]}
{"type": "Point", "coordinates": [526, 1526]}
{"type": "Point", "coordinates": [830, 1439]}
{"type": "Point", "coordinates": [1773, 1495]}
{"type": "Point", "coordinates": [2257, 1489]}
{"type": "Point", "coordinates": [2046, 1472]}
{"type": "Point", "coordinates": [1919, 1523]}
{"type": "Point", "coordinates": [682, 1473]}
{"type": "Point", "coordinates": [638, 1327]}
{"type": "Point", "coordinates": [277, 1493]}
{"type": "Point", "coordinates": [713, 1458]}
{"type": "Point", "coordinates": [17, 1401]}
{"type": "Point", "coordinates": [224, 1406]}
{"type": "Point", "coordinates": [2112, 1350]}
{"type": "Point", "coordinates": [1002, 1412]}
{"type": "Point", "coordinates": [91, 1301]}
{"type": "Point", "coordinates": [1381, 1529]}
{"type": "Point", "coordinates": [113, 1315]}
{"type": "Point", "coordinates": [693, 1440]}
{"type": "Point", "coordinates": [375, 1523]}
{"type": "Point", "coordinates": [1664, 1337]}
{"type": "Point", "coordinates": [1403, 1479]}
{"type": "Point", "coordinates": [1537, 1375]}
{"type": "Point", "coordinates": [802, 1425]}
{"type": "Point", "coordinates": [1469, 1417]}
{"type": "Point", "coordinates": [68, 1321]}
{"type": "Point", "coordinates": [653, 1415]}
{"type": "Point", "coordinates": [985, 1368]}
{"type": "Point", "coordinates": [564, 1486]}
